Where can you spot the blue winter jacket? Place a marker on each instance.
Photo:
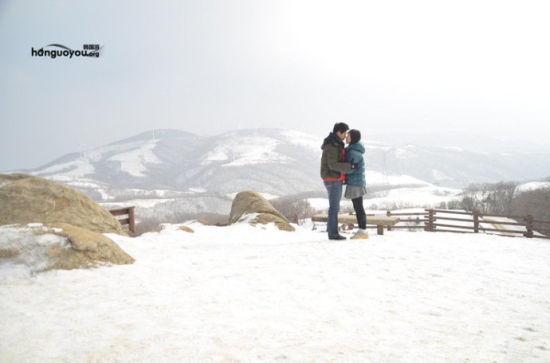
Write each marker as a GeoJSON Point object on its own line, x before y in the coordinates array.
{"type": "Point", "coordinates": [354, 154]}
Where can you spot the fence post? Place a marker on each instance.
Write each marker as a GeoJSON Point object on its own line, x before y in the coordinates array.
{"type": "Point", "coordinates": [476, 221]}
{"type": "Point", "coordinates": [430, 227]}
{"type": "Point", "coordinates": [131, 220]}
{"type": "Point", "coordinates": [529, 226]}
{"type": "Point", "coordinates": [388, 213]}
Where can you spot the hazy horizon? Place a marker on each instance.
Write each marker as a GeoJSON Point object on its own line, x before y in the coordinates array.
{"type": "Point", "coordinates": [444, 140]}
{"type": "Point", "coordinates": [475, 69]}
{"type": "Point", "coordinates": [469, 142]}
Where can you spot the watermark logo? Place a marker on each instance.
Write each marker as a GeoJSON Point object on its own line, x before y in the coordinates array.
{"type": "Point", "coordinates": [58, 50]}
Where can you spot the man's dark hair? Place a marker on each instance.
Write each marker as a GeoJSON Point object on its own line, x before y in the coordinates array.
{"type": "Point", "coordinates": [355, 136]}
{"type": "Point", "coordinates": [340, 126]}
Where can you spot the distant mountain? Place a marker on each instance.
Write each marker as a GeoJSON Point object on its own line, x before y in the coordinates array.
{"type": "Point", "coordinates": [276, 161]}
{"type": "Point", "coordinates": [272, 161]}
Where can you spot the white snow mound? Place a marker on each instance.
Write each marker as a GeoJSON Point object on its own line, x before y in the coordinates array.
{"type": "Point", "coordinates": [24, 250]}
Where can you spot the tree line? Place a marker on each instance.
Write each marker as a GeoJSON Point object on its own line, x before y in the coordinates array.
{"type": "Point", "coordinates": [504, 199]}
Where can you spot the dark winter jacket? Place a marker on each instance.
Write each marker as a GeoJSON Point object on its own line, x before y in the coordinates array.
{"type": "Point", "coordinates": [354, 154]}
{"type": "Point", "coordinates": [332, 160]}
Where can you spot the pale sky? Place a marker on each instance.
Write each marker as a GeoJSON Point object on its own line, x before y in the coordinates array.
{"type": "Point", "coordinates": [426, 67]}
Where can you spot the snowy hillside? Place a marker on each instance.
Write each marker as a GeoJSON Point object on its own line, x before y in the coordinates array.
{"type": "Point", "coordinates": [530, 186]}
{"type": "Point", "coordinates": [241, 293]}
{"type": "Point", "coordinates": [271, 161]}
{"type": "Point", "coordinates": [279, 162]}
{"type": "Point", "coordinates": [165, 173]}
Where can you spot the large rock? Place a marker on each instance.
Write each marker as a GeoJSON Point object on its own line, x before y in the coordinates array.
{"type": "Point", "coordinates": [249, 202]}
{"type": "Point", "coordinates": [27, 199]}
{"type": "Point", "coordinates": [88, 249]}
{"type": "Point", "coordinates": [39, 248]}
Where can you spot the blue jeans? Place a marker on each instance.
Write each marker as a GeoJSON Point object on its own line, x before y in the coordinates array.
{"type": "Point", "coordinates": [334, 189]}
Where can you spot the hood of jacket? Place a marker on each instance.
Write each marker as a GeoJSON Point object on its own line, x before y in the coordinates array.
{"type": "Point", "coordinates": [357, 147]}
{"type": "Point", "coordinates": [332, 139]}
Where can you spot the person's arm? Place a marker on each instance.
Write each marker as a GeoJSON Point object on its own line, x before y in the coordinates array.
{"type": "Point", "coordinates": [334, 164]}
{"type": "Point", "coordinates": [357, 158]}
{"type": "Point", "coordinates": [350, 158]}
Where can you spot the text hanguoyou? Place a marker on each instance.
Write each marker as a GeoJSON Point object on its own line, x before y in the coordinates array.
{"type": "Point", "coordinates": [58, 50]}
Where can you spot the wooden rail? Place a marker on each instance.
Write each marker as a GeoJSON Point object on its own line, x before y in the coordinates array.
{"type": "Point", "coordinates": [430, 220]}
{"type": "Point", "coordinates": [127, 212]}
{"type": "Point", "coordinates": [480, 218]}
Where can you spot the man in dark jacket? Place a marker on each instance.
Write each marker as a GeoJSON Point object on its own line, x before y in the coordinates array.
{"type": "Point", "coordinates": [333, 169]}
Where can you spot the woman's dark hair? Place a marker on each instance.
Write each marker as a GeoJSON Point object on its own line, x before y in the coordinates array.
{"type": "Point", "coordinates": [340, 126]}
{"type": "Point", "coordinates": [355, 136]}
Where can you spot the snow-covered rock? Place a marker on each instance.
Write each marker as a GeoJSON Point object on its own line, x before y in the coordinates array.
{"type": "Point", "coordinates": [252, 208]}
{"type": "Point", "coordinates": [32, 248]}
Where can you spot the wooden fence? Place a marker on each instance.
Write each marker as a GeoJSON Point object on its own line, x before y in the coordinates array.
{"type": "Point", "coordinates": [128, 218]}
{"type": "Point", "coordinates": [440, 220]}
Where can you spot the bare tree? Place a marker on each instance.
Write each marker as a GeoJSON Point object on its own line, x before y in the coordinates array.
{"type": "Point", "coordinates": [489, 198]}
{"type": "Point", "coordinates": [294, 210]}
{"type": "Point", "coordinates": [535, 203]}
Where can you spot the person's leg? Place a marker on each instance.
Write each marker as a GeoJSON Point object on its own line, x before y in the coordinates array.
{"type": "Point", "coordinates": [360, 212]}
{"type": "Point", "coordinates": [334, 190]}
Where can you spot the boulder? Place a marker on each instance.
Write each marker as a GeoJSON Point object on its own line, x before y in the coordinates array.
{"type": "Point", "coordinates": [57, 246]}
{"type": "Point", "coordinates": [88, 249]}
{"type": "Point", "coordinates": [252, 203]}
{"type": "Point", "coordinates": [26, 199]}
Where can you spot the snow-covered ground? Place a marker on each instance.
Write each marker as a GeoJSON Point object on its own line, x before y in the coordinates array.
{"type": "Point", "coordinates": [374, 177]}
{"type": "Point", "coordinates": [138, 203]}
{"type": "Point", "coordinates": [428, 196]}
{"type": "Point", "coordinates": [241, 293]}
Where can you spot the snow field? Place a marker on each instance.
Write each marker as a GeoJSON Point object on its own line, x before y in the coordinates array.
{"type": "Point", "coordinates": [245, 151]}
{"type": "Point", "coordinates": [248, 294]}
{"type": "Point", "coordinates": [134, 161]}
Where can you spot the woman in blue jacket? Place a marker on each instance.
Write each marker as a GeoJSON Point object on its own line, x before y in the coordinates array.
{"type": "Point", "coordinates": [356, 185]}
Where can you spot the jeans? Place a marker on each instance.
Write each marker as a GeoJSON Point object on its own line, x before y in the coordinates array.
{"type": "Point", "coordinates": [360, 212]}
{"type": "Point", "coordinates": [334, 189]}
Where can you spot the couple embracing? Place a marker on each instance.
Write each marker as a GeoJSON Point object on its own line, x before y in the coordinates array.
{"type": "Point", "coordinates": [339, 165]}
